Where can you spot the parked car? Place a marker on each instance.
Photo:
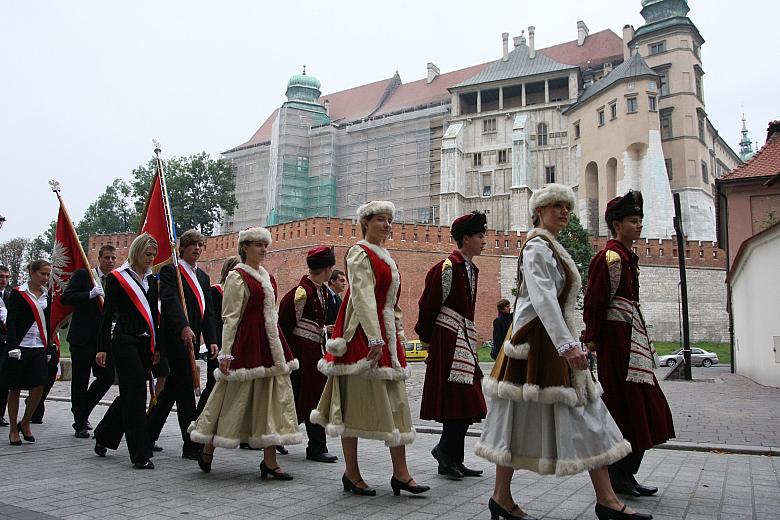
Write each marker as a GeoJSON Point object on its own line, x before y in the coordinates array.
{"type": "Point", "coordinates": [416, 351]}
{"type": "Point", "coordinates": [699, 357]}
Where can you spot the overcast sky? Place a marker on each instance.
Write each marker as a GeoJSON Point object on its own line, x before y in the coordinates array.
{"type": "Point", "coordinates": [87, 85]}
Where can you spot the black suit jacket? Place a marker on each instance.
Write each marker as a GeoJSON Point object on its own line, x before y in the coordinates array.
{"type": "Point", "coordinates": [21, 318]}
{"type": "Point", "coordinates": [172, 319]}
{"type": "Point", "coordinates": [121, 317]}
{"type": "Point", "coordinates": [6, 301]}
{"type": "Point", "coordinates": [332, 307]}
{"type": "Point", "coordinates": [85, 322]}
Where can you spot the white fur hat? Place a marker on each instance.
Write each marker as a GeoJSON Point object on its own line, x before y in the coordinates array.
{"type": "Point", "coordinates": [551, 194]}
{"type": "Point", "coordinates": [374, 207]}
{"type": "Point", "coordinates": [255, 234]}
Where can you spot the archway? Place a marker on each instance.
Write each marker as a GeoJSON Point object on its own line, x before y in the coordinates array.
{"type": "Point", "coordinates": [591, 198]}
{"type": "Point", "coordinates": [611, 180]}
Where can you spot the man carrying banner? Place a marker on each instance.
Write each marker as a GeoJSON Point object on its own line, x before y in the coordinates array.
{"type": "Point", "coordinates": [85, 297]}
{"type": "Point", "coordinates": [180, 331]}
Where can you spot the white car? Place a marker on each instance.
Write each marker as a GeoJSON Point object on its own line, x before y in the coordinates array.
{"type": "Point", "coordinates": [699, 357]}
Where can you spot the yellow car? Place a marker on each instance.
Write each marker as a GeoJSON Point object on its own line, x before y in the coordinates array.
{"type": "Point", "coordinates": [416, 351]}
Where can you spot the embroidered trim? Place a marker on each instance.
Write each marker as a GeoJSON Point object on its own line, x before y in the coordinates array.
{"type": "Point", "coordinates": [446, 279]}
{"type": "Point", "coordinates": [222, 356]}
{"type": "Point", "coordinates": [308, 329]}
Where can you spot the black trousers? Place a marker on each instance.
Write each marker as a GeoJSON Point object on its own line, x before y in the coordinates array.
{"type": "Point", "coordinates": [625, 469]}
{"type": "Point", "coordinates": [127, 414]}
{"type": "Point", "coordinates": [453, 438]}
{"type": "Point", "coordinates": [178, 389]}
{"type": "Point", "coordinates": [3, 383]}
{"type": "Point", "coordinates": [84, 396]}
{"type": "Point", "coordinates": [51, 367]}
{"type": "Point", "coordinates": [316, 434]}
{"type": "Point", "coordinates": [211, 365]}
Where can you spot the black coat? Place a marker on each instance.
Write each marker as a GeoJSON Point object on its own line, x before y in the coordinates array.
{"type": "Point", "coordinates": [21, 318]}
{"type": "Point", "coordinates": [332, 307]}
{"type": "Point", "coordinates": [172, 318]}
{"type": "Point", "coordinates": [216, 300]}
{"type": "Point", "coordinates": [119, 308]}
{"type": "Point", "coordinates": [85, 322]}
{"type": "Point", "coordinates": [6, 301]}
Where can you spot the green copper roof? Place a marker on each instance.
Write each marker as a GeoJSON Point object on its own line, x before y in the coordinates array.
{"type": "Point", "coordinates": [302, 80]}
{"type": "Point", "coordinates": [656, 10]}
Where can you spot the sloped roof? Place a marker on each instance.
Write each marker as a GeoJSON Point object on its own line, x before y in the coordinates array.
{"type": "Point", "coordinates": [633, 67]}
{"type": "Point", "coordinates": [597, 48]}
{"type": "Point", "coordinates": [518, 65]}
{"type": "Point", "coordinates": [765, 162]}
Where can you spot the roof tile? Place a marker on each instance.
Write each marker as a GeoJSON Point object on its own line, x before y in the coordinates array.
{"type": "Point", "coordinates": [766, 161]}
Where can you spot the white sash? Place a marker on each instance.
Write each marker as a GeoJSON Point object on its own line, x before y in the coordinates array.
{"type": "Point", "coordinates": [137, 296]}
{"type": "Point", "coordinates": [40, 317]}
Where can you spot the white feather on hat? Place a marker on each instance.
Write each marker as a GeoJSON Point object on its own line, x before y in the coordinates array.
{"type": "Point", "coordinates": [374, 207]}
{"type": "Point", "coordinates": [255, 234]}
{"type": "Point", "coordinates": [551, 194]}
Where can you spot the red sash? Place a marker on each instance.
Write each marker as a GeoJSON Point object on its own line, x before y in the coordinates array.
{"type": "Point", "coordinates": [40, 318]}
{"type": "Point", "coordinates": [219, 288]}
{"type": "Point", "coordinates": [195, 287]}
{"type": "Point", "coordinates": [137, 296]}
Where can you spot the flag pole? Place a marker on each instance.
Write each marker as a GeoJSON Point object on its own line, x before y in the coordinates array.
{"type": "Point", "coordinates": [175, 261]}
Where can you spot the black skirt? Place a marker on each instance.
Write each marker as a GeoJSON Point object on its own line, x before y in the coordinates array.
{"type": "Point", "coordinates": [28, 371]}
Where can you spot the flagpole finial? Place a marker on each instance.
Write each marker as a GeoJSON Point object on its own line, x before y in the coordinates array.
{"type": "Point", "coordinates": [157, 149]}
{"type": "Point", "coordinates": [55, 186]}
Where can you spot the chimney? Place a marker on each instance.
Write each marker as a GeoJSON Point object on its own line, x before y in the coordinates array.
{"type": "Point", "coordinates": [505, 40]}
{"type": "Point", "coordinates": [433, 71]}
{"type": "Point", "coordinates": [582, 33]}
{"type": "Point", "coordinates": [628, 35]}
{"type": "Point", "coordinates": [326, 104]}
{"type": "Point", "coordinates": [531, 48]}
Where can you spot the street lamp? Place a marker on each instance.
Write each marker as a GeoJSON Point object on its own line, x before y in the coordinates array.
{"type": "Point", "coordinates": [2, 221]}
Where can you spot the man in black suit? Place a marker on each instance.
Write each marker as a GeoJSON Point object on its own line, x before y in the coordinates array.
{"type": "Point", "coordinates": [337, 283]}
{"type": "Point", "coordinates": [83, 293]}
{"type": "Point", "coordinates": [180, 332]}
{"type": "Point", "coordinates": [5, 295]}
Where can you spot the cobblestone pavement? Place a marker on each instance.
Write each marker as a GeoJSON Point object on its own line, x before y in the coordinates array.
{"type": "Point", "coordinates": [60, 477]}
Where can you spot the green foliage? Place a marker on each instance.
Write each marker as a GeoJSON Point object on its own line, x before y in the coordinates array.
{"type": "Point", "coordinates": [576, 241]}
{"type": "Point", "coordinates": [12, 255]}
{"type": "Point", "coordinates": [200, 190]}
{"type": "Point", "coordinates": [770, 220]}
{"type": "Point", "coordinates": [112, 212]}
{"type": "Point", "coordinates": [42, 245]}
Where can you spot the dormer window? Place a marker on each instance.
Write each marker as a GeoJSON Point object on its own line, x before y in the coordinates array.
{"type": "Point", "coordinates": [658, 47]}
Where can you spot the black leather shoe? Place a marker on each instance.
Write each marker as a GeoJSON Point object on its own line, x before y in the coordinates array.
{"type": "Point", "coordinates": [282, 450]}
{"type": "Point", "coordinates": [496, 512]}
{"type": "Point", "coordinates": [322, 457]}
{"type": "Point", "coordinates": [450, 471]}
{"type": "Point", "coordinates": [352, 487]}
{"type": "Point", "coordinates": [399, 486]}
{"type": "Point", "coordinates": [645, 491]}
{"type": "Point", "coordinates": [3, 422]}
{"type": "Point", "coordinates": [623, 487]}
{"type": "Point", "coordinates": [274, 473]}
{"type": "Point", "coordinates": [28, 438]}
{"type": "Point", "coordinates": [144, 465]}
{"type": "Point", "coordinates": [467, 472]}
{"type": "Point", "coordinates": [204, 461]}
{"type": "Point", "coordinates": [13, 442]}
{"type": "Point", "coordinates": [446, 467]}
{"type": "Point", "coordinates": [81, 434]}
{"type": "Point", "coordinates": [88, 426]}
{"type": "Point", "coordinates": [246, 446]}
{"type": "Point", "coordinates": [605, 513]}
{"type": "Point", "coordinates": [190, 454]}
{"type": "Point", "coordinates": [100, 450]}
{"type": "Point", "coordinates": [156, 448]}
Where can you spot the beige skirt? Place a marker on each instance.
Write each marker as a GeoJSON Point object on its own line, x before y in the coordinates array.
{"type": "Point", "coordinates": [260, 412]}
{"type": "Point", "coordinates": [357, 406]}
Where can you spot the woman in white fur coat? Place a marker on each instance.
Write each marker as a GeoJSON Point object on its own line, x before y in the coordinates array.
{"type": "Point", "coordinates": [545, 412]}
{"type": "Point", "coordinates": [252, 400]}
{"type": "Point", "coordinates": [365, 395]}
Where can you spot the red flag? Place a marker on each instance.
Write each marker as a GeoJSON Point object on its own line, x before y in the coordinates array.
{"type": "Point", "coordinates": [67, 257]}
{"type": "Point", "coordinates": [156, 223]}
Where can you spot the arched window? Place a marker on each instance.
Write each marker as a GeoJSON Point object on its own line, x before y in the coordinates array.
{"type": "Point", "coordinates": [541, 134]}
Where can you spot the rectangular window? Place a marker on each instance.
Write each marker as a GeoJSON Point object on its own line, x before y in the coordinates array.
{"type": "Point", "coordinates": [577, 130]}
{"type": "Point", "coordinates": [666, 125]}
{"type": "Point", "coordinates": [664, 80]}
{"type": "Point", "coordinates": [631, 105]}
{"type": "Point", "coordinates": [489, 125]}
{"type": "Point", "coordinates": [477, 159]}
{"type": "Point", "coordinates": [613, 111]}
{"type": "Point", "coordinates": [549, 174]}
{"type": "Point", "coordinates": [601, 117]}
{"type": "Point", "coordinates": [652, 103]}
{"type": "Point", "coordinates": [704, 174]}
{"type": "Point", "coordinates": [658, 47]}
{"type": "Point", "coordinates": [699, 88]}
{"type": "Point", "coordinates": [701, 129]}
{"type": "Point", "coordinates": [668, 163]}
{"type": "Point", "coordinates": [502, 154]}
{"type": "Point", "coordinates": [486, 191]}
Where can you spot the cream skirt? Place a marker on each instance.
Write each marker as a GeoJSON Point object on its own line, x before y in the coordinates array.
{"type": "Point", "coordinates": [357, 406]}
{"type": "Point", "coordinates": [260, 412]}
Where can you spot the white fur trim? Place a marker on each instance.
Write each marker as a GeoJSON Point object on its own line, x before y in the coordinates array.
{"type": "Point", "coordinates": [336, 346]}
{"type": "Point", "coordinates": [374, 207]}
{"type": "Point", "coordinates": [551, 194]}
{"type": "Point", "coordinates": [255, 234]}
{"type": "Point", "coordinates": [248, 374]}
{"type": "Point", "coordinates": [516, 351]}
{"type": "Point", "coordinates": [263, 441]}
{"type": "Point", "coordinates": [391, 439]}
{"type": "Point", "coordinates": [581, 393]}
{"type": "Point", "coordinates": [365, 368]}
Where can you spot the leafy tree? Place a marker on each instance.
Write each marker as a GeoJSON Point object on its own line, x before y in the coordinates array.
{"type": "Point", "coordinates": [200, 190]}
{"type": "Point", "coordinates": [112, 212]}
{"type": "Point", "coordinates": [12, 256]}
{"type": "Point", "coordinates": [42, 245]}
{"type": "Point", "coordinates": [576, 241]}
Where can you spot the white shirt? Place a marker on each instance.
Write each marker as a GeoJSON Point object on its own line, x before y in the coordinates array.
{"type": "Point", "coordinates": [142, 281]}
{"type": "Point", "coordinates": [33, 338]}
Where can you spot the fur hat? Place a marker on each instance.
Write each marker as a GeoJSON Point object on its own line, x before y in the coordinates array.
{"type": "Point", "coordinates": [551, 194]}
{"type": "Point", "coordinates": [376, 206]}
{"type": "Point", "coordinates": [628, 205]}
{"type": "Point", "coordinates": [256, 234]}
{"type": "Point", "coordinates": [320, 256]}
{"type": "Point", "coordinates": [470, 224]}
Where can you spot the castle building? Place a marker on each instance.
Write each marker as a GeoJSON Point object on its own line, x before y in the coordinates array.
{"type": "Point", "coordinates": [602, 113]}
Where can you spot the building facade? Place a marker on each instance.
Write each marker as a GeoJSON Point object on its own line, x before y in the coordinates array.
{"type": "Point", "coordinates": [602, 113]}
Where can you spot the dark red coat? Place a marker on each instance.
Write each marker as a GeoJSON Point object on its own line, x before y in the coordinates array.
{"type": "Point", "coordinates": [302, 318]}
{"type": "Point", "coordinates": [444, 399]}
{"type": "Point", "coordinates": [640, 410]}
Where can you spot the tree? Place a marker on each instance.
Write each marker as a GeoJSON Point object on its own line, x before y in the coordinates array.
{"type": "Point", "coordinates": [112, 212]}
{"type": "Point", "coordinates": [576, 241]}
{"type": "Point", "coordinates": [42, 245]}
{"type": "Point", "coordinates": [12, 256]}
{"type": "Point", "coordinates": [200, 190]}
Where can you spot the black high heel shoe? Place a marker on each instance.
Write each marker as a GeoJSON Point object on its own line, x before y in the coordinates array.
{"type": "Point", "coordinates": [353, 487]}
{"type": "Point", "coordinates": [28, 438]}
{"type": "Point", "coordinates": [274, 473]}
{"type": "Point", "coordinates": [496, 512]}
{"type": "Point", "coordinates": [605, 513]}
{"type": "Point", "coordinates": [14, 443]}
{"type": "Point", "coordinates": [205, 465]}
{"type": "Point", "coordinates": [399, 486]}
